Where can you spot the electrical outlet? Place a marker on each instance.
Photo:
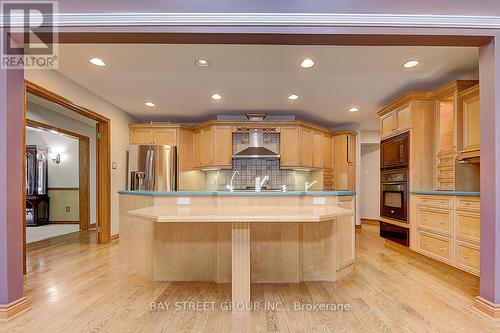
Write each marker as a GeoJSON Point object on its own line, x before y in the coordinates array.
{"type": "Point", "coordinates": [183, 201]}
{"type": "Point", "coordinates": [319, 201]}
{"type": "Point", "coordinates": [114, 165]}
{"type": "Point", "coordinates": [68, 209]}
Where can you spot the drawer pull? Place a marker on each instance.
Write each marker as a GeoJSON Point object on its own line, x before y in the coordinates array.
{"type": "Point", "coordinates": [466, 258]}
{"type": "Point", "coordinates": [442, 222]}
{"type": "Point", "coordinates": [467, 203]}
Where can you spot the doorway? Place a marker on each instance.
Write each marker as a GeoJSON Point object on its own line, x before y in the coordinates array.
{"type": "Point", "coordinates": [102, 163]}
{"type": "Point", "coordinates": [65, 185]}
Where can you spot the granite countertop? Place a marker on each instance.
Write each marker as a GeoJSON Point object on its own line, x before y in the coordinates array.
{"type": "Point", "coordinates": [456, 193]}
{"type": "Point", "coordinates": [241, 193]}
{"type": "Point", "coordinates": [224, 214]}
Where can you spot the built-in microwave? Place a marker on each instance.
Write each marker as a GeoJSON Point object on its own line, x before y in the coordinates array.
{"type": "Point", "coordinates": [394, 152]}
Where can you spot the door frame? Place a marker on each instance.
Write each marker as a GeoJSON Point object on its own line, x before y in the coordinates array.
{"type": "Point", "coordinates": [83, 169]}
{"type": "Point", "coordinates": [103, 158]}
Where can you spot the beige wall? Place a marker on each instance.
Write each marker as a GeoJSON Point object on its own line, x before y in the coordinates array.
{"type": "Point", "coordinates": [369, 189]}
{"type": "Point", "coordinates": [59, 200]}
{"type": "Point", "coordinates": [59, 84]}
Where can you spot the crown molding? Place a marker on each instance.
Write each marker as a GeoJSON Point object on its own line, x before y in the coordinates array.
{"type": "Point", "coordinates": [273, 19]}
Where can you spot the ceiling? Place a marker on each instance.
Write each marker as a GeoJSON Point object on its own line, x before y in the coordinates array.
{"type": "Point", "coordinates": [260, 77]}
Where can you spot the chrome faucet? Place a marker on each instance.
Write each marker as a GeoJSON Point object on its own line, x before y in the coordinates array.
{"type": "Point", "coordinates": [308, 185]}
{"type": "Point", "coordinates": [260, 183]}
{"type": "Point", "coordinates": [230, 187]}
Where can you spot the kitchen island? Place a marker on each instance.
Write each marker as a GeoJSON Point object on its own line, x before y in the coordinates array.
{"type": "Point", "coordinates": [268, 237]}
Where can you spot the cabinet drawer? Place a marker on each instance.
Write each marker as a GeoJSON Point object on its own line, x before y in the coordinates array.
{"type": "Point", "coordinates": [468, 257]}
{"type": "Point", "coordinates": [468, 203]}
{"type": "Point", "coordinates": [446, 161]}
{"type": "Point", "coordinates": [468, 226]}
{"type": "Point", "coordinates": [444, 202]}
{"type": "Point", "coordinates": [446, 186]}
{"type": "Point", "coordinates": [434, 246]}
{"type": "Point", "coordinates": [435, 220]}
{"type": "Point", "coordinates": [446, 173]}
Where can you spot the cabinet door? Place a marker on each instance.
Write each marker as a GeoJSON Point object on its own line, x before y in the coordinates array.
{"type": "Point", "coordinates": [403, 119]}
{"type": "Point", "coordinates": [206, 147]}
{"type": "Point", "coordinates": [345, 241]}
{"type": "Point", "coordinates": [387, 126]}
{"type": "Point", "coordinates": [141, 136]}
{"type": "Point", "coordinates": [471, 129]}
{"type": "Point", "coordinates": [340, 162]}
{"type": "Point", "coordinates": [317, 148]}
{"type": "Point", "coordinates": [197, 150]}
{"type": "Point", "coordinates": [327, 152]}
{"type": "Point", "coordinates": [223, 146]}
{"type": "Point", "coordinates": [165, 136]}
{"type": "Point", "coordinates": [351, 149]}
{"type": "Point", "coordinates": [289, 146]}
{"type": "Point", "coordinates": [446, 127]}
{"type": "Point", "coordinates": [306, 147]}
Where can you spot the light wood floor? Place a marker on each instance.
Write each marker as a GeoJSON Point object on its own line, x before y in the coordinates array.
{"type": "Point", "coordinates": [75, 285]}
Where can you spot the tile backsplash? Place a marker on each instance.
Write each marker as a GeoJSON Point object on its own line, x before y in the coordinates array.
{"type": "Point", "coordinates": [253, 167]}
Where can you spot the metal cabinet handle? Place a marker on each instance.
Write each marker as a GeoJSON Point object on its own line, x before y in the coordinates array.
{"type": "Point", "coordinates": [466, 258]}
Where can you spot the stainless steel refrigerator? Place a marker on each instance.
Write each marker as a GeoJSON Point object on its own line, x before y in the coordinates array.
{"type": "Point", "coordinates": [152, 168]}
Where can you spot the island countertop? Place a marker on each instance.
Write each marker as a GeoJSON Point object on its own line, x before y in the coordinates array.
{"type": "Point", "coordinates": [240, 193]}
{"type": "Point", "coordinates": [216, 214]}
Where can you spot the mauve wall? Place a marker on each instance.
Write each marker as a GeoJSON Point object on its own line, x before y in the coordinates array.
{"type": "Point", "coordinates": [450, 7]}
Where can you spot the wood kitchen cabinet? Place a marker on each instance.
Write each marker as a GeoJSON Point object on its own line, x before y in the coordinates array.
{"type": "Point", "coordinates": [468, 124]}
{"type": "Point", "coordinates": [395, 122]}
{"type": "Point", "coordinates": [141, 136]}
{"type": "Point", "coordinates": [150, 134]}
{"type": "Point", "coordinates": [448, 229]}
{"type": "Point", "coordinates": [197, 150]}
{"type": "Point", "coordinates": [289, 146]}
{"type": "Point", "coordinates": [447, 132]}
{"type": "Point", "coordinates": [317, 150]}
{"type": "Point", "coordinates": [306, 147]}
{"type": "Point", "coordinates": [345, 160]}
{"type": "Point", "coordinates": [302, 147]}
{"type": "Point", "coordinates": [213, 147]}
{"type": "Point", "coordinates": [327, 152]}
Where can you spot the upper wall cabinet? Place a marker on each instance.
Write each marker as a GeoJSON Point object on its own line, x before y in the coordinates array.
{"type": "Point", "coordinates": [448, 131]}
{"type": "Point", "coordinates": [468, 124]}
{"type": "Point", "coordinates": [213, 147]}
{"type": "Point", "coordinates": [395, 122]}
{"type": "Point", "coordinates": [345, 160]}
{"type": "Point", "coordinates": [302, 147]}
{"type": "Point", "coordinates": [151, 134]}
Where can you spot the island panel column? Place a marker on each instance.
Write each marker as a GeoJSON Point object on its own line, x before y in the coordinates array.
{"type": "Point", "coordinates": [240, 268]}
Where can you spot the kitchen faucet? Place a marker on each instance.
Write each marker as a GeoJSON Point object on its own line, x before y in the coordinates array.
{"type": "Point", "coordinates": [259, 184]}
{"type": "Point", "coordinates": [308, 185]}
{"type": "Point", "coordinates": [230, 187]}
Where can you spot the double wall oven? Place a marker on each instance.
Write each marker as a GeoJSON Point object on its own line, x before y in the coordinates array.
{"type": "Point", "coordinates": [394, 158]}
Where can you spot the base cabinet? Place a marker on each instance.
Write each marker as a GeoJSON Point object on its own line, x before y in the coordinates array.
{"type": "Point", "coordinates": [448, 230]}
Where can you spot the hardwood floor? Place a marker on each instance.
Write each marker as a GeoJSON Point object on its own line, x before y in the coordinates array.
{"type": "Point", "coordinates": [75, 285]}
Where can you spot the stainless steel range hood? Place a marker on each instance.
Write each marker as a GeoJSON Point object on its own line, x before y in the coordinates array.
{"type": "Point", "coordinates": [256, 147]}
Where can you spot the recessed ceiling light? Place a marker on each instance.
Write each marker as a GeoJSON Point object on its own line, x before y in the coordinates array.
{"type": "Point", "coordinates": [307, 63]}
{"type": "Point", "coordinates": [293, 97]}
{"type": "Point", "coordinates": [202, 62]}
{"type": "Point", "coordinates": [216, 97]}
{"type": "Point", "coordinates": [411, 64]}
{"type": "Point", "coordinates": [150, 104]}
{"type": "Point", "coordinates": [97, 61]}
{"type": "Point", "coordinates": [354, 109]}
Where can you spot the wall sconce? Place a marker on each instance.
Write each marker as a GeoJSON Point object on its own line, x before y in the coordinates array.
{"type": "Point", "coordinates": [56, 158]}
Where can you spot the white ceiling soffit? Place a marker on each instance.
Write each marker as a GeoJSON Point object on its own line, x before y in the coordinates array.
{"type": "Point", "coordinates": [260, 78]}
{"type": "Point", "coordinates": [271, 19]}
